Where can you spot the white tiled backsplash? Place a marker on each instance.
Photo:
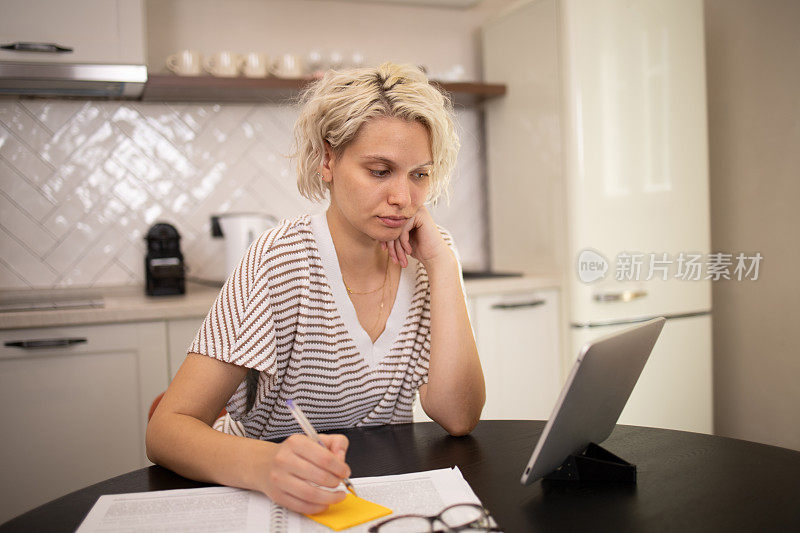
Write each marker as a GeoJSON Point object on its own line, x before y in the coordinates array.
{"type": "Point", "coordinates": [82, 182]}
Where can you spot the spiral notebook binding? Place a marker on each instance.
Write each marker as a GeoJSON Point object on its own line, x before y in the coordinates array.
{"type": "Point", "coordinates": [279, 520]}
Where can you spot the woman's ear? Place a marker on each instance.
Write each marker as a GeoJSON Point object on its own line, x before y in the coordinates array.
{"type": "Point", "coordinates": [328, 161]}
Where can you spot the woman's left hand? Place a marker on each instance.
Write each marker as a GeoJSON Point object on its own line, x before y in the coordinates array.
{"type": "Point", "coordinates": [420, 239]}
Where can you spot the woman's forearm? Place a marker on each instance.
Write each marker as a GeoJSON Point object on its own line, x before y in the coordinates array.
{"type": "Point", "coordinates": [191, 448]}
{"type": "Point", "coordinates": [455, 393]}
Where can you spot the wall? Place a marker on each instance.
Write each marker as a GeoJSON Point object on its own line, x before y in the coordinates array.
{"type": "Point", "coordinates": [753, 60]}
{"type": "Point", "coordinates": [83, 181]}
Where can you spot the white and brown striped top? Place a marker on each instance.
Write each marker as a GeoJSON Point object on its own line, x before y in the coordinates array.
{"type": "Point", "coordinates": [285, 312]}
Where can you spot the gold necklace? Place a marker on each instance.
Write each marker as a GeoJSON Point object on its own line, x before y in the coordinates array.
{"type": "Point", "coordinates": [385, 274]}
{"type": "Point", "coordinates": [382, 288]}
{"type": "Point", "coordinates": [380, 308]}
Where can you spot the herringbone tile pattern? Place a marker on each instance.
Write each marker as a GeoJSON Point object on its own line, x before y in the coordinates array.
{"type": "Point", "coordinates": [83, 181]}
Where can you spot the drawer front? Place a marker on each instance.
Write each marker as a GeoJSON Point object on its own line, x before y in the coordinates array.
{"type": "Point", "coordinates": [65, 340]}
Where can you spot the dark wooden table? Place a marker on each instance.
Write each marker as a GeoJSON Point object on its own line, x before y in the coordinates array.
{"type": "Point", "coordinates": [686, 481]}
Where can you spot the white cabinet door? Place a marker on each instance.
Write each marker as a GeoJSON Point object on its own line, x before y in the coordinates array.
{"type": "Point", "coordinates": [180, 334]}
{"type": "Point", "coordinates": [75, 414]}
{"type": "Point", "coordinates": [98, 31]}
{"type": "Point", "coordinates": [518, 343]}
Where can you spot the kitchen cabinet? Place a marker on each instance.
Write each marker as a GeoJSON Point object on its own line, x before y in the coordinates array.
{"type": "Point", "coordinates": [97, 31]}
{"type": "Point", "coordinates": [518, 339]}
{"type": "Point", "coordinates": [180, 334]}
{"type": "Point", "coordinates": [75, 403]}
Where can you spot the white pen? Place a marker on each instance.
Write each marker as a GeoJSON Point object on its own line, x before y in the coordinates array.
{"type": "Point", "coordinates": [308, 429]}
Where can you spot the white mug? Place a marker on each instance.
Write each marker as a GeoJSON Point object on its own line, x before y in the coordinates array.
{"type": "Point", "coordinates": [254, 65]}
{"type": "Point", "coordinates": [185, 63]}
{"type": "Point", "coordinates": [222, 64]}
{"type": "Point", "coordinates": [288, 66]}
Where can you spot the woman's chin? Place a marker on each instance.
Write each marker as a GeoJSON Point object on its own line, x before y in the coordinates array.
{"type": "Point", "coordinates": [388, 234]}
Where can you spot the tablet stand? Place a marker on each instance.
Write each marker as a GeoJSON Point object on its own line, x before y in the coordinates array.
{"type": "Point", "coordinates": [594, 464]}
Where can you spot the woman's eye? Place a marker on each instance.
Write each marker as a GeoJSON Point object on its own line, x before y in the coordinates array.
{"type": "Point", "coordinates": [420, 175]}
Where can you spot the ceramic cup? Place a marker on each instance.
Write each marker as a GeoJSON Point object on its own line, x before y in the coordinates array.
{"type": "Point", "coordinates": [316, 64]}
{"type": "Point", "coordinates": [222, 64]}
{"type": "Point", "coordinates": [185, 63]}
{"type": "Point", "coordinates": [254, 65]}
{"type": "Point", "coordinates": [336, 60]}
{"type": "Point", "coordinates": [288, 66]}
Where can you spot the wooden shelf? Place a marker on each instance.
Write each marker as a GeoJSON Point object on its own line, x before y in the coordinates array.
{"type": "Point", "coordinates": [168, 88]}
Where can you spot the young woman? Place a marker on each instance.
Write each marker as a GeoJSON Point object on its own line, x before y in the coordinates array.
{"type": "Point", "coordinates": [349, 313]}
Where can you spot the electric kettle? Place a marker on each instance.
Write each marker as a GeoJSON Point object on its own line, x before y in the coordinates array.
{"type": "Point", "coordinates": [239, 230]}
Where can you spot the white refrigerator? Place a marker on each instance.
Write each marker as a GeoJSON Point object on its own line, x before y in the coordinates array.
{"type": "Point", "coordinates": [598, 170]}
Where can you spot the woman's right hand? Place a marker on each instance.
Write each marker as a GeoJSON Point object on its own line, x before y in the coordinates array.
{"type": "Point", "coordinates": [180, 437]}
{"type": "Point", "coordinates": [295, 465]}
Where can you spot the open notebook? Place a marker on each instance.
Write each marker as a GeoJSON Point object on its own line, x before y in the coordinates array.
{"type": "Point", "coordinates": [237, 510]}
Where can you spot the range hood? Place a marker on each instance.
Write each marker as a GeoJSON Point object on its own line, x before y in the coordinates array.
{"type": "Point", "coordinates": [71, 79]}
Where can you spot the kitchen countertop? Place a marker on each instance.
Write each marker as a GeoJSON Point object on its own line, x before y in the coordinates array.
{"type": "Point", "coordinates": [130, 304]}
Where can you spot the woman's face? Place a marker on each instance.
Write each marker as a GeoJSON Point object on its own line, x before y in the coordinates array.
{"type": "Point", "coordinates": [381, 178]}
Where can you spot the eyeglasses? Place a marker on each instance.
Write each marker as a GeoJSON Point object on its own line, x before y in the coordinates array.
{"type": "Point", "coordinates": [458, 517]}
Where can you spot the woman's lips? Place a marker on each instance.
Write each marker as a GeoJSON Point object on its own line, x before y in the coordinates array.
{"type": "Point", "coordinates": [393, 222]}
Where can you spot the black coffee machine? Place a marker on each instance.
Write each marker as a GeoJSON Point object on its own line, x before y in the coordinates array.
{"type": "Point", "coordinates": [163, 266]}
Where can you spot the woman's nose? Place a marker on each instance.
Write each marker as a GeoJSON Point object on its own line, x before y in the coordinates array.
{"type": "Point", "coordinates": [400, 192]}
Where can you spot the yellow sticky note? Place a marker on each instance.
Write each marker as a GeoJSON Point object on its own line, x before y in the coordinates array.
{"type": "Point", "coordinates": [349, 512]}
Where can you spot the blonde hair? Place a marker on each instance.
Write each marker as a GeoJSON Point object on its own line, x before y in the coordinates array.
{"type": "Point", "coordinates": [335, 108]}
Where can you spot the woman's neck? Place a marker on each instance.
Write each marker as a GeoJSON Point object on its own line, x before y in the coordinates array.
{"type": "Point", "coordinates": [358, 254]}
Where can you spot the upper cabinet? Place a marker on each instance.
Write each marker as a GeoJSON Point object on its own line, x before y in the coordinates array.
{"type": "Point", "coordinates": [96, 31]}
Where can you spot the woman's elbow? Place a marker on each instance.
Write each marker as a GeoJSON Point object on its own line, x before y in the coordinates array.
{"type": "Point", "coordinates": [461, 429]}
{"type": "Point", "coordinates": [459, 426]}
{"type": "Point", "coordinates": [151, 440]}
{"type": "Point", "coordinates": [148, 444]}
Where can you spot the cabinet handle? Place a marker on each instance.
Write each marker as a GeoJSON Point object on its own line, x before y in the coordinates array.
{"type": "Point", "coordinates": [44, 343]}
{"type": "Point", "coordinates": [623, 296]}
{"type": "Point", "coordinates": [517, 305]}
{"type": "Point", "coordinates": [51, 48]}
